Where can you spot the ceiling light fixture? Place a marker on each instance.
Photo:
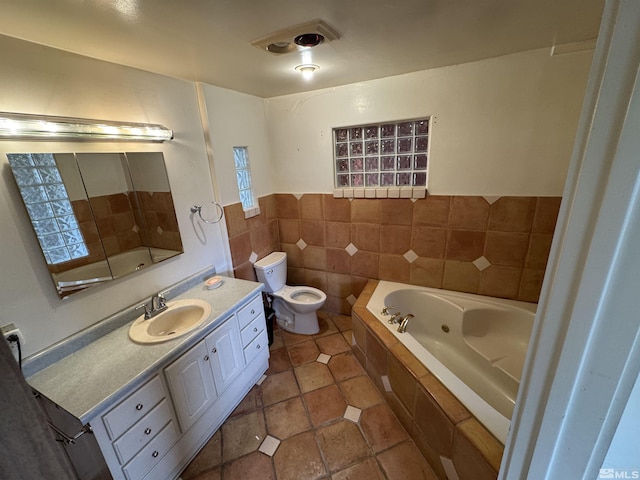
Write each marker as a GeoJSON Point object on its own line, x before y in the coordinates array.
{"type": "Point", "coordinates": [21, 126]}
{"type": "Point", "coordinates": [307, 70]}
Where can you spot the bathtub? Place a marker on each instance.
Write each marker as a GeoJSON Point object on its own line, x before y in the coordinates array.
{"type": "Point", "coordinates": [118, 265]}
{"type": "Point", "coordinates": [475, 345]}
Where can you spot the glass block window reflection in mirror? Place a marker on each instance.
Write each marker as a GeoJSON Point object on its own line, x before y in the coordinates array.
{"type": "Point", "coordinates": [47, 202]}
{"type": "Point", "coordinates": [243, 175]}
{"type": "Point", "coordinates": [382, 155]}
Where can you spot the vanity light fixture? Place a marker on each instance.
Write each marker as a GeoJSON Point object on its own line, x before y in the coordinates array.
{"type": "Point", "coordinates": [307, 70]}
{"type": "Point", "coordinates": [21, 126]}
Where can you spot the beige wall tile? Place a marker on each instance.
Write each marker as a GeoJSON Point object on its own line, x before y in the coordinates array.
{"type": "Point", "coordinates": [337, 234]}
{"type": "Point", "coordinates": [336, 209]}
{"type": "Point", "coordinates": [396, 211]}
{"type": "Point", "coordinates": [428, 272]}
{"type": "Point", "coordinates": [365, 264]}
{"type": "Point", "coordinates": [431, 211]}
{"type": "Point", "coordinates": [539, 248]}
{"type": "Point", "coordinates": [499, 281]}
{"type": "Point", "coordinates": [402, 382]}
{"type": "Point", "coordinates": [468, 213]}
{"type": "Point", "coordinates": [461, 276]}
{"type": "Point", "coordinates": [433, 423]}
{"type": "Point", "coordinates": [506, 248]}
{"type": "Point", "coordinates": [464, 245]}
{"type": "Point", "coordinates": [287, 206]}
{"type": "Point", "coordinates": [312, 232]}
{"type": "Point", "coordinates": [234, 216]}
{"type": "Point", "coordinates": [240, 246]}
{"type": "Point", "coordinates": [530, 285]}
{"type": "Point", "coordinates": [546, 216]}
{"type": "Point", "coordinates": [311, 206]}
{"type": "Point", "coordinates": [338, 261]}
{"type": "Point", "coordinates": [289, 230]}
{"type": "Point", "coordinates": [394, 268]}
{"type": "Point", "coordinates": [429, 242]}
{"type": "Point", "coordinates": [294, 255]}
{"type": "Point", "coordinates": [365, 211]}
{"type": "Point", "coordinates": [315, 258]}
{"type": "Point", "coordinates": [395, 239]}
{"type": "Point", "coordinates": [366, 236]}
{"type": "Point", "coordinates": [512, 214]}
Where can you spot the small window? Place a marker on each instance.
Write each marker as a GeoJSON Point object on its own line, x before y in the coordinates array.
{"type": "Point", "coordinates": [47, 202]}
{"type": "Point", "coordinates": [243, 176]}
{"type": "Point", "coordinates": [382, 155]}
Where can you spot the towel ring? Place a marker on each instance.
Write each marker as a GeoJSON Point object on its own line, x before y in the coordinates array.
{"type": "Point", "coordinates": [198, 209]}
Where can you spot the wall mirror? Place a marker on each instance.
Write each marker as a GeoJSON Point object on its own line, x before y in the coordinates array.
{"type": "Point", "coordinates": [98, 216]}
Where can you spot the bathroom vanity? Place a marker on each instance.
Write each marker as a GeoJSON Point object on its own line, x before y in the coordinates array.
{"type": "Point", "coordinates": [152, 407]}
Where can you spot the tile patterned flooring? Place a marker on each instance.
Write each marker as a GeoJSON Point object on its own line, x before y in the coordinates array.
{"type": "Point", "coordinates": [316, 415]}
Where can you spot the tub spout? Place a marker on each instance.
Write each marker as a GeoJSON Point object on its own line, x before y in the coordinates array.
{"type": "Point", "coordinates": [403, 324]}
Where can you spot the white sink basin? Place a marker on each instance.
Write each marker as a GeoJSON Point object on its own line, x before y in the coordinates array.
{"type": "Point", "coordinates": [182, 317]}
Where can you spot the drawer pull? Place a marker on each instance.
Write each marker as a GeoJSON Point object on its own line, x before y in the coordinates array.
{"type": "Point", "coordinates": [255, 329]}
{"type": "Point", "coordinates": [258, 346]}
{"type": "Point", "coordinates": [252, 311]}
{"type": "Point", "coordinates": [139, 406]}
{"type": "Point", "coordinates": [155, 453]}
{"type": "Point", "coordinates": [206, 358]}
{"type": "Point", "coordinates": [147, 431]}
{"type": "Point", "coordinates": [214, 350]}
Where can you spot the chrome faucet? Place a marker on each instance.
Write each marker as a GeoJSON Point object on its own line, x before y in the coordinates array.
{"type": "Point", "coordinates": [395, 318]}
{"type": "Point", "coordinates": [158, 305]}
{"type": "Point", "coordinates": [403, 324]}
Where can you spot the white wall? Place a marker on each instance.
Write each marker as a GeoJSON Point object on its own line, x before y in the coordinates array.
{"type": "Point", "coordinates": [41, 80]}
{"type": "Point", "coordinates": [238, 120]}
{"type": "Point", "coordinates": [504, 126]}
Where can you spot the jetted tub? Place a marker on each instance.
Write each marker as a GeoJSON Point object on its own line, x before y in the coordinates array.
{"type": "Point", "coordinates": [119, 265]}
{"type": "Point", "coordinates": [475, 345]}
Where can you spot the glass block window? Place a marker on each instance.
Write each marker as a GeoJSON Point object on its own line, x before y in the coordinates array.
{"type": "Point", "coordinates": [47, 202]}
{"type": "Point", "coordinates": [243, 175]}
{"type": "Point", "coordinates": [382, 155]}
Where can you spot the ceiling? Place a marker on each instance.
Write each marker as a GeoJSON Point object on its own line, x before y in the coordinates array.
{"type": "Point", "coordinates": [210, 40]}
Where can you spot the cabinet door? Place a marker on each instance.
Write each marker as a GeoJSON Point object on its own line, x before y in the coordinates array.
{"type": "Point", "coordinates": [225, 351]}
{"type": "Point", "coordinates": [191, 384]}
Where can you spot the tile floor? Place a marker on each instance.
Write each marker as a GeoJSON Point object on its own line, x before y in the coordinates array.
{"type": "Point", "coordinates": [316, 415]}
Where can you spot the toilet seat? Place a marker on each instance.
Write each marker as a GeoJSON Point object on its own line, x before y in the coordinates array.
{"type": "Point", "coordinates": [301, 295]}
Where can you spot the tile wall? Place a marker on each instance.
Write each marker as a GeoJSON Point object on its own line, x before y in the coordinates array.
{"type": "Point", "coordinates": [496, 246]}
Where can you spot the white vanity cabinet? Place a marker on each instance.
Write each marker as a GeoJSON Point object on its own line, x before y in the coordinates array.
{"type": "Point", "coordinates": [140, 437]}
{"type": "Point", "coordinates": [204, 372]}
{"type": "Point", "coordinates": [138, 432]}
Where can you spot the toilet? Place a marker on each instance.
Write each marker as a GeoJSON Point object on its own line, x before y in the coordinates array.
{"type": "Point", "coordinates": [296, 307]}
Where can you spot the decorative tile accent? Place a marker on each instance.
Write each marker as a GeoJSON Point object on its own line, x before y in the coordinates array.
{"type": "Point", "coordinates": [351, 299]}
{"type": "Point", "coordinates": [481, 263]}
{"type": "Point", "coordinates": [253, 257]}
{"type": "Point", "coordinates": [386, 384]}
{"type": "Point", "coordinates": [449, 469]}
{"type": "Point", "coordinates": [348, 192]}
{"type": "Point", "coordinates": [406, 192]}
{"type": "Point", "coordinates": [394, 193]}
{"type": "Point", "coordinates": [136, 228]}
{"type": "Point", "coordinates": [298, 195]}
{"type": "Point", "coordinates": [261, 379]}
{"type": "Point", "coordinates": [381, 193]}
{"type": "Point", "coordinates": [338, 193]}
{"type": "Point", "coordinates": [301, 244]}
{"type": "Point", "coordinates": [323, 358]}
{"type": "Point", "coordinates": [369, 193]}
{"type": "Point", "coordinates": [410, 256]}
{"type": "Point", "coordinates": [351, 249]}
{"type": "Point", "coordinates": [269, 445]}
{"type": "Point", "coordinates": [352, 413]}
{"type": "Point", "coordinates": [491, 199]}
{"type": "Point", "coordinates": [419, 193]}
{"type": "Point", "coordinates": [159, 230]}
{"type": "Point", "coordinates": [358, 193]}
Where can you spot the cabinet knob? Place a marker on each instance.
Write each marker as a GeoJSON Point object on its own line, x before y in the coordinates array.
{"type": "Point", "coordinates": [147, 431]}
{"type": "Point", "coordinates": [155, 453]}
{"type": "Point", "coordinates": [255, 329]}
{"type": "Point", "coordinates": [206, 358]}
{"type": "Point", "coordinates": [258, 346]}
{"type": "Point", "coordinates": [139, 406]}
{"type": "Point", "coordinates": [252, 311]}
{"type": "Point", "coordinates": [214, 350]}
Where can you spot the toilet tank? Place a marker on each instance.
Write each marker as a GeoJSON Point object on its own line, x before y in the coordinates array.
{"type": "Point", "coordinates": [272, 271]}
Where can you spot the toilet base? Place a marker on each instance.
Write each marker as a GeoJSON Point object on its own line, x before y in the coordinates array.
{"type": "Point", "coordinates": [299, 323]}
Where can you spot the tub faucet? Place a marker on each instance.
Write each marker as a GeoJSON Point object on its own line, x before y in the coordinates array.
{"type": "Point", "coordinates": [386, 311]}
{"type": "Point", "coordinates": [403, 324]}
{"type": "Point", "coordinates": [395, 318]}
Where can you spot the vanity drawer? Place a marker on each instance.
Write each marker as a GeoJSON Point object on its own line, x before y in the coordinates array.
{"type": "Point", "coordinates": [152, 453]}
{"type": "Point", "coordinates": [128, 412]}
{"type": "Point", "coordinates": [252, 330]}
{"type": "Point", "coordinates": [250, 311]}
{"type": "Point", "coordinates": [142, 432]}
{"type": "Point", "coordinates": [260, 344]}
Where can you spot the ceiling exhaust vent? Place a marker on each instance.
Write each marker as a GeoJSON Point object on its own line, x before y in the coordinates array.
{"type": "Point", "coordinates": [299, 37]}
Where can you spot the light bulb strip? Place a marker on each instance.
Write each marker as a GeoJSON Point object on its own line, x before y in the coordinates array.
{"type": "Point", "coordinates": [20, 126]}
